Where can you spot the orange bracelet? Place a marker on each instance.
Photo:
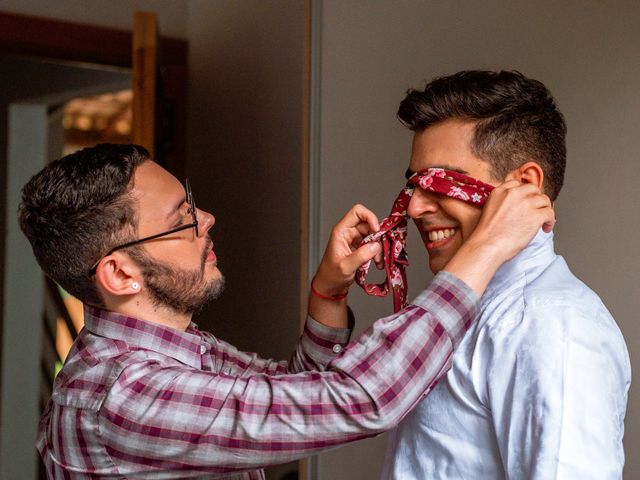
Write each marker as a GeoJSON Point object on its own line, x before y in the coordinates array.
{"type": "Point", "coordinates": [334, 298]}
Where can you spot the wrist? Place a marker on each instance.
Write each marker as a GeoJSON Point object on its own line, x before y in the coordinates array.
{"type": "Point", "coordinates": [488, 254]}
{"type": "Point", "coordinates": [322, 289]}
{"type": "Point", "coordinates": [333, 298]}
{"type": "Point", "coordinates": [327, 308]}
{"type": "Point", "coordinates": [475, 263]}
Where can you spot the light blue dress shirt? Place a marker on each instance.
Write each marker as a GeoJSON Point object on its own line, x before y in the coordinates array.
{"type": "Point", "coordinates": [537, 389]}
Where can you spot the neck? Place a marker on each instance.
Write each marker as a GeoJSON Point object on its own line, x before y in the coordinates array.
{"type": "Point", "coordinates": [143, 308]}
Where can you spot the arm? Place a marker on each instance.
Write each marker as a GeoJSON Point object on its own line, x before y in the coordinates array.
{"type": "Point", "coordinates": [183, 420]}
{"type": "Point", "coordinates": [557, 390]}
{"type": "Point", "coordinates": [315, 349]}
{"type": "Point", "coordinates": [511, 217]}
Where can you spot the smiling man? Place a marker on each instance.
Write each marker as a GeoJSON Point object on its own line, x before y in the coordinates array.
{"type": "Point", "coordinates": [538, 389]}
{"type": "Point", "coordinates": [145, 394]}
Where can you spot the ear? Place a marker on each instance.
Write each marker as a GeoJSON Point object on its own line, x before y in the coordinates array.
{"type": "Point", "coordinates": [529, 172]}
{"type": "Point", "coordinates": [118, 275]}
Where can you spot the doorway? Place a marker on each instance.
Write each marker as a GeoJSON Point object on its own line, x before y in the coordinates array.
{"type": "Point", "coordinates": [45, 65]}
{"type": "Point", "coordinates": [33, 110]}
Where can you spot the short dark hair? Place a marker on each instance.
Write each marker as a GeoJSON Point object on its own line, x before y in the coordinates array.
{"type": "Point", "coordinates": [516, 119]}
{"type": "Point", "coordinates": [77, 208]}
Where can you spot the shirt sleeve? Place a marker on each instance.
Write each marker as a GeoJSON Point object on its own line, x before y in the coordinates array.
{"type": "Point", "coordinates": [184, 421]}
{"type": "Point", "coordinates": [318, 345]}
{"type": "Point", "coordinates": [557, 389]}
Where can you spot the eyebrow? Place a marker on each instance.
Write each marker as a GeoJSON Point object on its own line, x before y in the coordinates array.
{"type": "Point", "coordinates": [410, 172]}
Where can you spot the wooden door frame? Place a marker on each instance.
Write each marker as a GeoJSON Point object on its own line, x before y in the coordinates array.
{"type": "Point", "coordinates": [49, 39]}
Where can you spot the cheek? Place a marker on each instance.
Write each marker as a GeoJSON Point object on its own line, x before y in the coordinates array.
{"type": "Point", "coordinates": [470, 223]}
{"type": "Point", "coordinates": [467, 216]}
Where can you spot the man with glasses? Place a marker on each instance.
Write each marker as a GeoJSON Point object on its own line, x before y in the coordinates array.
{"type": "Point", "coordinates": [145, 394]}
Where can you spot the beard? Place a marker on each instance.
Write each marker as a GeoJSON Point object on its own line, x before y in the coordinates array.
{"type": "Point", "coordinates": [183, 291]}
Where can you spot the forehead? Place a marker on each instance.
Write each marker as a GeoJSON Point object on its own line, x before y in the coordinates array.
{"type": "Point", "coordinates": [447, 144]}
{"type": "Point", "coordinates": [155, 189]}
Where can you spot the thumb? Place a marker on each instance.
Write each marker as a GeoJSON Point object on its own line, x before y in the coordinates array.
{"type": "Point", "coordinates": [362, 255]}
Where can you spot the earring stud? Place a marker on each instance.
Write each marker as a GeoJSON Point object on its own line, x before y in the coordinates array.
{"type": "Point", "coordinates": [135, 285]}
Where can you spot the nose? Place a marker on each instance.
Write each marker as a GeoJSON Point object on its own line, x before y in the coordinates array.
{"type": "Point", "coordinates": [422, 203]}
{"type": "Point", "coordinates": [205, 221]}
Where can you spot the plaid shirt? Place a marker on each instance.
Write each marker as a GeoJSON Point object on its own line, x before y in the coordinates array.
{"type": "Point", "coordinates": [140, 400]}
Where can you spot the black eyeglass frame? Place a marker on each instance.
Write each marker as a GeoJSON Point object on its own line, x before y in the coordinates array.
{"type": "Point", "coordinates": [194, 213]}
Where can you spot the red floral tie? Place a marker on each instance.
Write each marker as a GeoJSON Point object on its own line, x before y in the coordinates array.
{"type": "Point", "coordinates": [393, 229]}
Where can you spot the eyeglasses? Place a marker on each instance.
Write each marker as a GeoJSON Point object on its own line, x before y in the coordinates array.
{"type": "Point", "coordinates": [194, 215]}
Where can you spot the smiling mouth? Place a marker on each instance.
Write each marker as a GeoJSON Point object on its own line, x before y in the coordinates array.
{"type": "Point", "coordinates": [441, 233]}
{"type": "Point", "coordinates": [439, 237]}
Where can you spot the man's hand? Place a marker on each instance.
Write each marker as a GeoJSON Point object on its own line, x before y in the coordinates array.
{"type": "Point", "coordinates": [341, 259]}
{"type": "Point", "coordinates": [511, 217]}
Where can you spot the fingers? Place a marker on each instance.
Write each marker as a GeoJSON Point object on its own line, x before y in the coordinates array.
{"type": "Point", "coordinates": [379, 260]}
{"type": "Point", "coordinates": [512, 215]}
{"type": "Point", "coordinates": [343, 256]}
{"type": "Point", "coordinates": [549, 216]}
{"type": "Point", "coordinates": [517, 192]}
{"type": "Point", "coordinates": [359, 214]}
{"type": "Point", "coordinates": [368, 223]}
{"type": "Point", "coordinates": [524, 189]}
{"type": "Point", "coordinates": [360, 256]}
{"type": "Point", "coordinates": [357, 223]}
{"type": "Point", "coordinates": [507, 185]}
{"type": "Point", "coordinates": [364, 229]}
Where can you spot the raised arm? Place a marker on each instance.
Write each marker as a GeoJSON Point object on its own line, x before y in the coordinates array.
{"type": "Point", "coordinates": [511, 217]}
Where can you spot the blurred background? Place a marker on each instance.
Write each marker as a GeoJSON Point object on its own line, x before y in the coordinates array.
{"type": "Point", "coordinates": [282, 114]}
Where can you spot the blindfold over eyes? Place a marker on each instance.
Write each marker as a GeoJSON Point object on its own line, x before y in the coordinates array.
{"type": "Point", "coordinates": [452, 184]}
{"type": "Point", "coordinates": [393, 229]}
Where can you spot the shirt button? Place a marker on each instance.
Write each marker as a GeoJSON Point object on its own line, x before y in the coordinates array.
{"type": "Point", "coordinates": [203, 349]}
{"type": "Point", "coordinates": [337, 348]}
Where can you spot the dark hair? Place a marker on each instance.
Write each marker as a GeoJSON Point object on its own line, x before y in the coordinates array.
{"type": "Point", "coordinates": [77, 208]}
{"type": "Point", "coordinates": [517, 120]}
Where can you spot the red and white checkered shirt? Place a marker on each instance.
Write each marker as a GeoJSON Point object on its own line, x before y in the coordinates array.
{"type": "Point", "coordinates": [140, 400]}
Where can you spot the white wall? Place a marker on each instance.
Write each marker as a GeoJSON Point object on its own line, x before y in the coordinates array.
{"type": "Point", "coordinates": [588, 53]}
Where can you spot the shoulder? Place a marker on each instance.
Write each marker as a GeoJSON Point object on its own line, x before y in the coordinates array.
{"type": "Point", "coordinates": [549, 334]}
{"type": "Point", "coordinates": [90, 368]}
{"type": "Point", "coordinates": [547, 315]}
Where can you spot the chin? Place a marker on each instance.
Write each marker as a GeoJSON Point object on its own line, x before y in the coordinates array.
{"type": "Point", "coordinates": [436, 265]}
{"type": "Point", "coordinates": [212, 266]}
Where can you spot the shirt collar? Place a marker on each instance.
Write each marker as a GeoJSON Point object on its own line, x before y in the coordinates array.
{"type": "Point", "coordinates": [184, 346]}
{"type": "Point", "coordinates": [536, 256]}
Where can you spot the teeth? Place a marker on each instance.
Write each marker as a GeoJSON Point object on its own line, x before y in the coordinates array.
{"type": "Point", "coordinates": [436, 235]}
